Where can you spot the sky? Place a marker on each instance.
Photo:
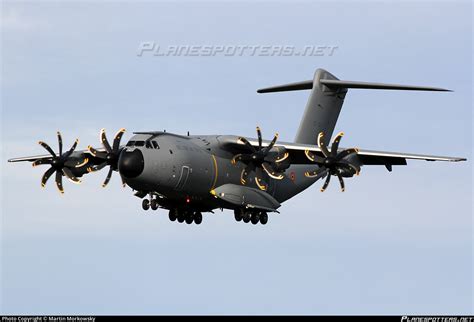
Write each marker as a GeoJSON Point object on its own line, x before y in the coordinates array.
{"type": "Point", "coordinates": [393, 243]}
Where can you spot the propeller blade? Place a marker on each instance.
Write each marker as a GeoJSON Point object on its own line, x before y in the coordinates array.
{"type": "Point", "coordinates": [271, 172]}
{"type": "Point", "coordinates": [103, 139]}
{"type": "Point", "coordinates": [80, 164]}
{"type": "Point", "coordinates": [100, 166]}
{"type": "Point", "coordinates": [71, 150]}
{"type": "Point", "coordinates": [46, 176]}
{"type": "Point", "coordinates": [341, 182]}
{"type": "Point", "coordinates": [272, 143]}
{"type": "Point", "coordinates": [98, 154]}
{"type": "Point", "coordinates": [349, 166]}
{"type": "Point", "coordinates": [48, 148]}
{"type": "Point", "coordinates": [322, 145]}
{"type": "Point", "coordinates": [346, 153]}
{"type": "Point", "coordinates": [335, 144]}
{"type": "Point", "coordinates": [107, 179]}
{"type": "Point", "coordinates": [60, 143]}
{"type": "Point", "coordinates": [259, 179]}
{"type": "Point", "coordinates": [68, 173]}
{"type": "Point", "coordinates": [245, 173]}
{"type": "Point", "coordinates": [259, 133]}
{"type": "Point", "coordinates": [241, 157]}
{"type": "Point", "coordinates": [243, 177]}
{"type": "Point", "coordinates": [40, 162]}
{"type": "Point", "coordinates": [313, 157]}
{"type": "Point", "coordinates": [282, 158]}
{"type": "Point", "coordinates": [118, 137]}
{"type": "Point", "coordinates": [326, 183]}
{"type": "Point", "coordinates": [59, 182]}
{"type": "Point", "coordinates": [315, 173]}
{"type": "Point", "coordinates": [247, 143]}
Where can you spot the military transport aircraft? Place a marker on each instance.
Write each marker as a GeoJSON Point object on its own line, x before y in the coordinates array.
{"type": "Point", "coordinates": [192, 174]}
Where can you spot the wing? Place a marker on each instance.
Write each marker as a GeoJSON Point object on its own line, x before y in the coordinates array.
{"type": "Point", "coordinates": [79, 153]}
{"type": "Point", "coordinates": [367, 157]}
{"type": "Point", "coordinates": [83, 161]}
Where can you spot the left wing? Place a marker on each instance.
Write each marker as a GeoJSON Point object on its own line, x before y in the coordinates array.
{"type": "Point", "coordinates": [297, 153]}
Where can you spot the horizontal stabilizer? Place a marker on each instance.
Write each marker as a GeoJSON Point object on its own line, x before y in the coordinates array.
{"type": "Point", "coordinates": [354, 84]}
{"type": "Point", "coordinates": [288, 87]}
{"type": "Point", "coordinates": [335, 83]}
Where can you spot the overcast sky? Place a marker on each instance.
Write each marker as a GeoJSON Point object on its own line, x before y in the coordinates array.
{"type": "Point", "coordinates": [393, 243]}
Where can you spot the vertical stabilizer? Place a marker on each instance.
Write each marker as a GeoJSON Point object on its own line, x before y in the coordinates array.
{"type": "Point", "coordinates": [322, 110]}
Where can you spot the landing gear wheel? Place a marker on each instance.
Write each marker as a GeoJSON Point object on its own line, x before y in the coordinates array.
{"type": "Point", "coordinates": [172, 214]}
{"type": "Point", "coordinates": [146, 204]}
{"type": "Point", "coordinates": [181, 217]}
{"type": "Point", "coordinates": [189, 218]}
{"type": "Point", "coordinates": [263, 218]}
{"type": "Point", "coordinates": [197, 218]}
{"type": "Point", "coordinates": [238, 214]}
{"type": "Point", "coordinates": [255, 218]}
{"type": "Point", "coordinates": [154, 204]}
{"type": "Point", "coordinates": [246, 217]}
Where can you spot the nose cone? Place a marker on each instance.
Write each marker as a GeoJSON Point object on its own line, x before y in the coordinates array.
{"type": "Point", "coordinates": [131, 163]}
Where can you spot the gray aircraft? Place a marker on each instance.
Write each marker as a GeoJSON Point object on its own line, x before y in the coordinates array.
{"type": "Point", "coordinates": [192, 174]}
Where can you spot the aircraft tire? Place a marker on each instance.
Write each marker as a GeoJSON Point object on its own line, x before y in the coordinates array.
{"type": "Point", "coordinates": [154, 204]}
{"type": "Point", "coordinates": [255, 218]}
{"type": "Point", "coordinates": [238, 214]}
{"type": "Point", "coordinates": [181, 217]}
{"type": "Point", "coordinates": [263, 218]}
{"type": "Point", "coordinates": [146, 204]}
{"type": "Point", "coordinates": [172, 214]}
{"type": "Point", "coordinates": [197, 218]}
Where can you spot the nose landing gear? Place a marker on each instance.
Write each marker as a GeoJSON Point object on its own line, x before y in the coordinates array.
{"type": "Point", "coordinates": [151, 202]}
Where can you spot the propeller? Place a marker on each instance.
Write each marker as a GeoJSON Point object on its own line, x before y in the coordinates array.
{"type": "Point", "coordinates": [333, 163]}
{"type": "Point", "coordinates": [272, 161]}
{"type": "Point", "coordinates": [61, 163]}
{"type": "Point", "coordinates": [110, 156]}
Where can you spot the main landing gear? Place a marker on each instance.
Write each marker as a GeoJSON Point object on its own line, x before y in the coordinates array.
{"type": "Point", "coordinates": [187, 216]}
{"type": "Point", "coordinates": [254, 216]}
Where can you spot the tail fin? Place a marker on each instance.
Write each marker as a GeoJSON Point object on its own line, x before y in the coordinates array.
{"type": "Point", "coordinates": [326, 99]}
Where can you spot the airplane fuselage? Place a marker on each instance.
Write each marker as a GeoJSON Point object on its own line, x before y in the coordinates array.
{"type": "Point", "coordinates": [184, 170]}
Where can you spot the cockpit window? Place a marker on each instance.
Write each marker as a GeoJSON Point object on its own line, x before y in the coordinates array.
{"type": "Point", "coordinates": [139, 143]}
{"type": "Point", "coordinates": [148, 144]}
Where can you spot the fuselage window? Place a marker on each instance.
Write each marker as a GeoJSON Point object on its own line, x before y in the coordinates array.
{"type": "Point", "coordinates": [139, 143]}
{"type": "Point", "coordinates": [155, 144]}
{"type": "Point", "coordinates": [148, 144]}
{"type": "Point", "coordinates": [131, 143]}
